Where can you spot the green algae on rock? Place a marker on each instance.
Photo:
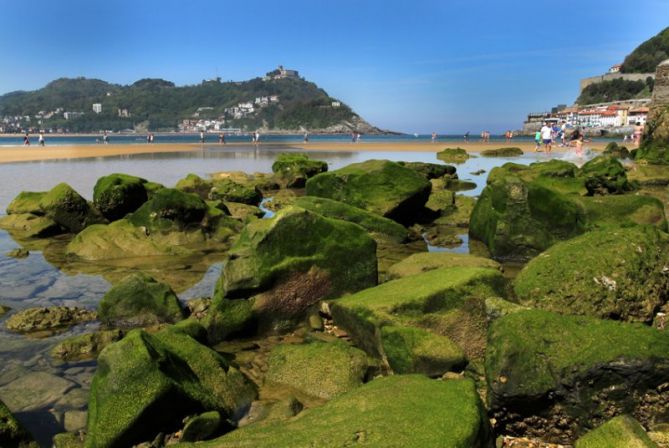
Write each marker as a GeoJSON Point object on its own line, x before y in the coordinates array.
{"type": "Point", "coordinates": [295, 168]}
{"type": "Point", "coordinates": [116, 195]}
{"type": "Point", "coordinates": [605, 175]}
{"type": "Point", "coordinates": [147, 383]}
{"type": "Point", "coordinates": [401, 410]}
{"type": "Point", "coordinates": [12, 433]}
{"type": "Point", "coordinates": [26, 202]}
{"type": "Point", "coordinates": [138, 301]}
{"type": "Point", "coordinates": [453, 155]}
{"type": "Point", "coordinates": [67, 208]}
{"type": "Point", "coordinates": [85, 346]}
{"type": "Point", "coordinates": [618, 151]}
{"type": "Point", "coordinates": [229, 190]}
{"type": "Point", "coordinates": [619, 432]}
{"type": "Point", "coordinates": [545, 370]}
{"type": "Point", "coordinates": [27, 226]}
{"type": "Point", "coordinates": [379, 186]}
{"type": "Point", "coordinates": [193, 183]}
{"type": "Point", "coordinates": [428, 261]}
{"type": "Point", "coordinates": [319, 369]}
{"type": "Point", "coordinates": [430, 170]}
{"type": "Point", "coordinates": [613, 273]}
{"type": "Point", "coordinates": [169, 209]}
{"type": "Point", "coordinates": [48, 318]}
{"type": "Point", "coordinates": [201, 427]}
{"type": "Point", "coordinates": [502, 152]}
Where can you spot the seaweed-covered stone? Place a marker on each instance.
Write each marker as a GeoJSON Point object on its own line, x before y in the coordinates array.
{"type": "Point", "coordinates": [619, 432]}
{"type": "Point", "coordinates": [430, 170]}
{"type": "Point", "coordinates": [553, 376]}
{"type": "Point", "coordinates": [295, 168]}
{"type": "Point", "coordinates": [229, 190]}
{"type": "Point", "coordinates": [68, 440]}
{"type": "Point", "coordinates": [297, 258]}
{"type": "Point", "coordinates": [453, 155]}
{"type": "Point", "coordinates": [228, 317]}
{"type": "Point", "coordinates": [193, 183]}
{"type": "Point", "coordinates": [201, 427]}
{"type": "Point", "coordinates": [85, 346]}
{"type": "Point", "coordinates": [316, 368]}
{"type": "Point", "coordinates": [19, 252]}
{"type": "Point", "coordinates": [403, 410]}
{"type": "Point", "coordinates": [502, 152]}
{"type": "Point", "coordinates": [458, 185]}
{"type": "Point", "coordinates": [48, 318]}
{"type": "Point", "coordinates": [372, 222]}
{"type": "Point", "coordinates": [618, 151]}
{"type": "Point", "coordinates": [614, 273]}
{"type": "Point", "coordinates": [116, 195]}
{"type": "Point", "coordinates": [244, 212]}
{"type": "Point", "coordinates": [27, 225]}
{"type": "Point", "coordinates": [445, 302]}
{"type": "Point", "coordinates": [67, 208]}
{"type": "Point", "coordinates": [147, 383]}
{"type": "Point", "coordinates": [138, 301]}
{"type": "Point", "coordinates": [653, 152]}
{"type": "Point", "coordinates": [12, 433]}
{"type": "Point", "coordinates": [379, 186]}
{"type": "Point", "coordinates": [429, 261]}
{"type": "Point", "coordinates": [26, 202]}
{"type": "Point", "coordinates": [605, 175]}
{"type": "Point", "coordinates": [170, 209]}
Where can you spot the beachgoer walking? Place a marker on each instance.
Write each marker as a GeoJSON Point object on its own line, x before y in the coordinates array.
{"type": "Point", "coordinates": [201, 136]}
{"type": "Point", "coordinates": [26, 140]}
{"type": "Point", "coordinates": [537, 141]}
{"type": "Point", "coordinates": [151, 137]}
{"type": "Point", "coordinates": [638, 133]}
{"type": "Point", "coordinates": [434, 137]}
{"type": "Point", "coordinates": [257, 137]}
{"type": "Point", "coordinates": [563, 134]}
{"type": "Point", "coordinates": [507, 137]}
{"type": "Point", "coordinates": [105, 138]}
{"type": "Point", "coordinates": [467, 137]}
{"type": "Point", "coordinates": [579, 146]}
{"type": "Point", "coordinates": [148, 137]}
{"type": "Point", "coordinates": [353, 137]}
{"type": "Point", "coordinates": [41, 139]}
{"type": "Point", "coordinates": [221, 138]}
{"type": "Point", "coordinates": [306, 137]}
{"type": "Point", "coordinates": [547, 137]}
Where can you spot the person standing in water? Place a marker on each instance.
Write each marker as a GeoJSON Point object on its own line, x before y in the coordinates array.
{"type": "Point", "coordinates": [306, 137]}
{"type": "Point", "coordinates": [26, 140]}
{"type": "Point", "coordinates": [638, 133]}
{"type": "Point", "coordinates": [105, 138]}
{"type": "Point", "coordinates": [434, 137]}
{"type": "Point", "coordinates": [221, 138]}
{"type": "Point", "coordinates": [201, 136]}
{"type": "Point", "coordinates": [547, 137]}
{"type": "Point", "coordinates": [467, 137]}
{"type": "Point", "coordinates": [40, 140]}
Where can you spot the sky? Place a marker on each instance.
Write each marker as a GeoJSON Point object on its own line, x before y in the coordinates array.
{"type": "Point", "coordinates": [446, 66]}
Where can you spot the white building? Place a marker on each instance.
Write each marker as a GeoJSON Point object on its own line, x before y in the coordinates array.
{"type": "Point", "coordinates": [97, 108]}
{"type": "Point", "coordinates": [72, 115]}
{"type": "Point", "coordinates": [637, 115]}
{"type": "Point", "coordinates": [336, 104]}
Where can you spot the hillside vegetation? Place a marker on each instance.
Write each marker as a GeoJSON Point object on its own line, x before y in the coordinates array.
{"type": "Point", "coordinates": [616, 90]}
{"type": "Point", "coordinates": [648, 55]}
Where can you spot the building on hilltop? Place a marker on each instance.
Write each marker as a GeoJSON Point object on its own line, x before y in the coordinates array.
{"type": "Point", "coordinates": [282, 73]}
{"type": "Point", "coordinates": [97, 108]}
{"type": "Point", "coordinates": [615, 68]}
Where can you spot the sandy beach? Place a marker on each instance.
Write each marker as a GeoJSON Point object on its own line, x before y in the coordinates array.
{"type": "Point", "coordinates": [37, 153]}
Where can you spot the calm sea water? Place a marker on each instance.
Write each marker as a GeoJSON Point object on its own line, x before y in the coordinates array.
{"type": "Point", "coordinates": [58, 391]}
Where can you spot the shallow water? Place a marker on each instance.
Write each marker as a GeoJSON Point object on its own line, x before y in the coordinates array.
{"type": "Point", "coordinates": [48, 395]}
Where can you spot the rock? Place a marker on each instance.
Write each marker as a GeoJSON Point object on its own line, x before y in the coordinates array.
{"type": "Point", "coordinates": [230, 191]}
{"type": "Point", "coordinates": [27, 202]}
{"type": "Point", "coordinates": [116, 195]}
{"type": "Point", "coordinates": [453, 155]}
{"type": "Point", "coordinates": [524, 210]}
{"type": "Point", "coordinates": [614, 150]}
{"type": "Point", "coordinates": [138, 301]}
{"type": "Point", "coordinates": [48, 318]}
{"type": "Point", "coordinates": [440, 199]}
{"type": "Point", "coordinates": [170, 209]}
{"type": "Point", "coordinates": [458, 185]}
{"type": "Point", "coordinates": [193, 183]}
{"type": "Point", "coordinates": [261, 181]}
{"type": "Point", "coordinates": [18, 253]}
{"type": "Point", "coordinates": [68, 440]}
{"type": "Point", "coordinates": [12, 433]}
{"type": "Point", "coordinates": [554, 376]}
{"type": "Point", "coordinates": [502, 152]}
{"type": "Point", "coordinates": [319, 369]}
{"type": "Point", "coordinates": [85, 346]}
{"type": "Point", "coordinates": [497, 307]}
{"type": "Point", "coordinates": [146, 384]}
{"type": "Point", "coordinates": [227, 317]}
{"type": "Point", "coordinates": [26, 225]}
{"type": "Point", "coordinates": [68, 209]}
{"type": "Point", "coordinates": [75, 420]}
{"type": "Point", "coordinates": [33, 391]}
{"type": "Point", "coordinates": [372, 222]}
{"type": "Point", "coordinates": [477, 172]}
{"type": "Point", "coordinates": [401, 410]}
{"type": "Point", "coordinates": [605, 175]}
{"type": "Point", "coordinates": [430, 170]}
{"type": "Point", "coordinates": [201, 427]}
{"type": "Point", "coordinates": [244, 212]}
{"type": "Point", "coordinates": [315, 322]}
{"type": "Point", "coordinates": [379, 186]}
{"type": "Point", "coordinates": [616, 274]}
{"type": "Point", "coordinates": [435, 318]}
{"type": "Point", "coordinates": [619, 432]}
{"type": "Point", "coordinates": [152, 187]}
{"type": "Point", "coordinates": [3, 310]}
{"type": "Point", "coordinates": [429, 261]}
{"type": "Point", "coordinates": [332, 257]}
{"type": "Point", "coordinates": [295, 168]}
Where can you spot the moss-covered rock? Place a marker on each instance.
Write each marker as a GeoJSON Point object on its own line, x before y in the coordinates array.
{"type": "Point", "coordinates": [12, 433]}
{"type": "Point", "coordinates": [193, 183]}
{"type": "Point", "coordinates": [430, 170]}
{"type": "Point", "coordinates": [401, 410]}
{"type": "Point", "coordinates": [441, 301]}
{"type": "Point", "coordinates": [295, 168]}
{"type": "Point", "coordinates": [429, 261]}
{"type": "Point", "coordinates": [27, 225]}
{"type": "Point", "coordinates": [244, 212]}
{"type": "Point", "coordinates": [372, 222]}
{"type": "Point", "coordinates": [116, 195]}
{"type": "Point", "coordinates": [316, 368]}
{"type": "Point", "coordinates": [614, 150]}
{"type": "Point", "coordinates": [67, 208]}
{"type": "Point", "coordinates": [48, 318]}
{"type": "Point", "coordinates": [228, 317]}
{"type": "Point", "coordinates": [85, 346]}
{"type": "Point", "coordinates": [653, 152]}
{"type": "Point", "coordinates": [139, 300]}
{"type": "Point", "coordinates": [605, 175]}
{"type": "Point", "coordinates": [68, 440]}
{"type": "Point", "coordinates": [458, 185]}
{"type": "Point", "coordinates": [502, 152]}
{"type": "Point", "coordinates": [615, 273]}
{"type": "Point", "coordinates": [170, 209]}
{"type": "Point", "coordinates": [453, 155]}
{"type": "Point", "coordinates": [297, 258]}
{"type": "Point", "coordinates": [146, 384]}
{"type": "Point", "coordinates": [379, 186]}
{"type": "Point", "coordinates": [229, 190]}
{"type": "Point", "coordinates": [554, 376]}
{"type": "Point", "coordinates": [26, 202]}
{"type": "Point", "coordinates": [619, 432]}
{"type": "Point", "coordinates": [201, 427]}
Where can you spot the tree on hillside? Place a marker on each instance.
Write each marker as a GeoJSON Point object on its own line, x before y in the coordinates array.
{"type": "Point", "coordinates": [646, 57]}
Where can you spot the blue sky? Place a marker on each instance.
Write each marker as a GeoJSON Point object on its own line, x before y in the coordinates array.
{"type": "Point", "coordinates": [414, 66]}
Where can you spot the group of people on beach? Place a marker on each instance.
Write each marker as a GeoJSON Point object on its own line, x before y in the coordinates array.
{"type": "Point", "coordinates": [549, 135]}
{"type": "Point", "coordinates": [40, 140]}
{"type": "Point", "coordinates": [355, 136]}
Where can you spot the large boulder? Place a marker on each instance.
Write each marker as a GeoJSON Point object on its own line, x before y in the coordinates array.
{"type": "Point", "coordinates": [431, 170]}
{"type": "Point", "coordinates": [12, 433]}
{"type": "Point", "coordinates": [297, 258]}
{"type": "Point", "coordinates": [26, 202]}
{"type": "Point", "coordinates": [85, 346]}
{"type": "Point", "coordinates": [139, 301]}
{"type": "Point", "coordinates": [319, 369]}
{"type": "Point", "coordinates": [654, 152]}
{"type": "Point", "coordinates": [605, 175]}
{"type": "Point", "coordinates": [28, 225]}
{"type": "Point", "coordinates": [453, 155]}
{"type": "Point", "coordinates": [426, 323]}
{"type": "Point", "coordinates": [147, 383]}
{"type": "Point", "coordinates": [553, 376]}
{"type": "Point", "coordinates": [617, 273]}
{"type": "Point", "coordinates": [400, 410]}
{"type": "Point", "coordinates": [193, 183]}
{"type": "Point", "coordinates": [116, 195]}
{"type": "Point", "coordinates": [295, 168]}
{"type": "Point", "coordinates": [170, 209]}
{"type": "Point", "coordinates": [379, 186]}
{"type": "Point", "coordinates": [50, 318]}
{"type": "Point", "coordinates": [229, 190]}
{"type": "Point", "coordinates": [619, 432]}
{"type": "Point", "coordinates": [373, 223]}
{"type": "Point", "coordinates": [68, 209]}
{"type": "Point", "coordinates": [429, 261]}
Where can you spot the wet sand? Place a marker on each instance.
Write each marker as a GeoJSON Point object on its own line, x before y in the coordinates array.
{"type": "Point", "coordinates": [37, 153]}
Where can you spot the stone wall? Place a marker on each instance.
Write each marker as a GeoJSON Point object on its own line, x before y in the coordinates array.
{"type": "Point", "coordinates": [611, 76]}
{"type": "Point", "coordinates": [659, 107]}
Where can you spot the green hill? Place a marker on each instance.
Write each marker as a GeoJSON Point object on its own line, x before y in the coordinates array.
{"type": "Point", "coordinates": [616, 90]}
{"type": "Point", "coordinates": [648, 55]}
{"type": "Point", "coordinates": [157, 104]}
